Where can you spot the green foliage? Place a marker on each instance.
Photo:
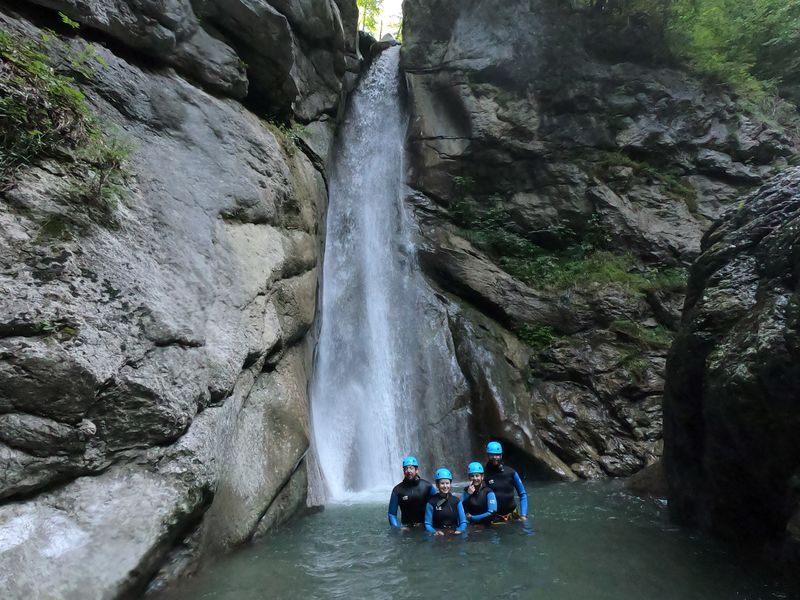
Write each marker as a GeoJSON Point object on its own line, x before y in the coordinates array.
{"type": "Point", "coordinates": [395, 27]}
{"type": "Point", "coordinates": [745, 43]}
{"type": "Point", "coordinates": [44, 114]}
{"type": "Point", "coordinates": [103, 158]}
{"type": "Point", "coordinates": [668, 177]}
{"type": "Point", "coordinates": [636, 365]}
{"type": "Point", "coordinates": [658, 337]}
{"type": "Point", "coordinates": [55, 227]}
{"type": "Point", "coordinates": [672, 280]}
{"type": "Point", "coordinates": [584, 260]}
{"type": "Point", "coordinates": [293, 132]}
{"type": "Point", "coordinates": [40, 110]}
{"type": "Point", "coordinates": [68, 22]}
{"type": "Point", "coordinates": [750, 45]}
{"type": "Point", "coordinates": [60, 327]}
{"type": "Point", "coordinates": [289, 133]}
{"type": "Point", "coordinates": [369, 11]}
{"type": "Point", "coordinates": [537, 337]}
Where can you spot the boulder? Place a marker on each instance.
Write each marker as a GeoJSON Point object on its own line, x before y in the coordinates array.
{"type": "Point", "coordinates": [97, 537]}
{"type": "Point", "coordinates": [730, 406]}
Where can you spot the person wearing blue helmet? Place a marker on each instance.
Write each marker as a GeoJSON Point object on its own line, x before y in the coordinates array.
{"type": "Point", "coordinates": [410, 496]}
{"type": "Point", "coordinates": [480, 502]}
{"type": "Point", "coordinates": [444, 512]}
{"type": "Point", "coordinates": [505, 481]}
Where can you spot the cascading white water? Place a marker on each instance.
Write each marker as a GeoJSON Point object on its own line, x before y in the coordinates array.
{"type": "Point", "coordinates": [364, 381]}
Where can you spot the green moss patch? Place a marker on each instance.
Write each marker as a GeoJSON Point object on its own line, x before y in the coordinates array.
{"type": "Point", "coordinates": [665, 176]}
{"type": "Point", "coordinates": [657, 338]}
{"type": "Point", "coordinates": [43, 114]}
{"type": "Point", "coordinates": [537, 337]}
{"type": "Point", "coordinates": [582, 261]}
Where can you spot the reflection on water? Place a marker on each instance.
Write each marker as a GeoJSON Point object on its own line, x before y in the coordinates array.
{"type": "Point", "coordinates": [589, 540]}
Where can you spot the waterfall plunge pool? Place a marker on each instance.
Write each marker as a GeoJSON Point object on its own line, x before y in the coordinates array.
{"type": "Point", "coordinates": [589, 541]}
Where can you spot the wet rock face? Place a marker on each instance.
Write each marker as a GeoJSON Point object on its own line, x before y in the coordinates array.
{"type": "Point", "coordinates": [154, 340]}
{"type": "Point", "coordinates": [287, 57]}
{"type": "Point", "coordinates": [550, 181]}
{"type": "Point", "coordinates": [731, 406]}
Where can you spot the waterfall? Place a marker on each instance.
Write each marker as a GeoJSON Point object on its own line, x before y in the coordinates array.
{"type": "Point", "coordinates": [386, 382]}
{"type": "Point", "coordinates": [363, 372]}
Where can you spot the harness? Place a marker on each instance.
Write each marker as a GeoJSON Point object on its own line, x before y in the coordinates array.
{"type": "Point", "coordinates": [445, 511]}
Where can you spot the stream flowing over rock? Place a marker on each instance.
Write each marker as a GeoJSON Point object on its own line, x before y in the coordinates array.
{"type": "Point", "coordinates": [155, 346]}
{"type": "Point", "coordinates": [562, 180]}
{"type": "Point", "coordinates": [731, 407]}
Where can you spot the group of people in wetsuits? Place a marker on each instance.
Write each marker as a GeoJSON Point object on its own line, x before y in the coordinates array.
{"type": "Point", "coordinates": [489, 498]}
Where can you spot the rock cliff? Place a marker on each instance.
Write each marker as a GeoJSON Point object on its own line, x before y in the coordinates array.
{"type": "Point", "coordinates": [155, 333]}
{"type": "Point", "coordinates": [562, 179]}
{"type": "Point", "coordinates": [731, 408]}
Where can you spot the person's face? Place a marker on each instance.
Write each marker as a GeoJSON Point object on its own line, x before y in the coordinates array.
{"type": "Point", "coordinates": [443, 486]}
{"type": "Point", "coordinates": [495, 458]}
{"type": "Point", "coordinates": [409, 472]}
{"type": "Point", "coordinates": [476, 479]}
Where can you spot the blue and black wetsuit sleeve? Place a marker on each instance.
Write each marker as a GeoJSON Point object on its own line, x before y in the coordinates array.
{"type": "Point", "coordinates": [462, 518]}
{"type": "Point", "coordinates": [491, 502]}
{"type": "Point", "coordinates": [523, 495]}
{"type": "Point", "coordinates": [434, 491]}
{"type": "Point", "coordinates": [464, 498]}
{"type": "Point", "coordinates": [394, 502]}
{"type": "Point", "coordinates": [429, 518]}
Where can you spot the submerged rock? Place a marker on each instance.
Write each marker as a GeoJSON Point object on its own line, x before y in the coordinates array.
{"type": "Point", "coordinates": [731, 408]}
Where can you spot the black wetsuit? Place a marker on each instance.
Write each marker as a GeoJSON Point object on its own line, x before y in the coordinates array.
{"type": "Point", "coordinates": [445, 513]}
{"type": "Point", "coordinates": [411, 497]}
{"type": "Point", "coordinates": [482, 505]}
{"type": "Point", "coordinates": [506, 483]}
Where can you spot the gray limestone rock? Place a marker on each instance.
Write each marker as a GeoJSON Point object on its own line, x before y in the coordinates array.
{"type": "Point", "coordinates": [730, 407]}
{"type": "Point", "coordinates": [168, 31]}
{"type": "Point", "coordinates": [211, 62]}
{"type": "Point", "coordinates": [153, 27]}
{"type": "Point", "coordinates": [98, 537]}
{"type": "Point", "coordinates": [531, 141]}
{"type": "Point", "coordinates": [268, 429]}
{"type": "Point", "coordinates": [285, 56]}
{"type": "Point", "coordinates": [303, 71]}
{"type": "Point", "coordinates": [495, 364]}
{"type": "Point", "coordinates": [153, 355]}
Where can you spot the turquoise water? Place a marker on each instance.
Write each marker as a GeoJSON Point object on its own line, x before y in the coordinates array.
{"type": "Point", "coordinates": [589, 540]}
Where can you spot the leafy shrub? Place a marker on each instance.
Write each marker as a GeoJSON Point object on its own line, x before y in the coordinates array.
{"type": "Point", "coordinates": [667, 176]}
{"type": "Point", "coordinates": [44, 114]}
{"type": "Point", "coordinates": [585, 260]}
{"type": "Point", "coordinates": [657, 337]}
{"type": "Point", "coordinates": [537, 337]}
{"type": "Point", "coordinates": [750, 45]}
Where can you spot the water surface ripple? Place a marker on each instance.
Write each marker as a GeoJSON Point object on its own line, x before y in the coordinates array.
{"type": "Point", "coordinates": [589, 540]}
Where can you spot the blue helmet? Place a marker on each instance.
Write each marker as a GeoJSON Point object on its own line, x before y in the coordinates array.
{"type": "Point", "coordinates": [494, 448]}
{"type": "Point", "coordinates": [410, 461]}
{"type": "Point", "coordinates": [474, 467]}
{"type": "Point", "coordinates": [443, 474]}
